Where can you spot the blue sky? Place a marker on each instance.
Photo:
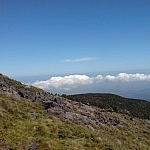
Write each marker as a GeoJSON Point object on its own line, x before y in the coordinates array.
{"type": "Point", "coordinates": [43, 37]}
{"type": "Point", "coordinates": [77, 46]}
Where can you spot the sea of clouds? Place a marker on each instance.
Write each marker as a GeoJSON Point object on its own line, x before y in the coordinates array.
{"type": "Point", "coordinates": [72, 83]}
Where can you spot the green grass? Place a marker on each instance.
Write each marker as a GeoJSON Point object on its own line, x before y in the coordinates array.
{"type": "Point", "coordinates": [19, 85]}
{"type": "Point", "coordinates": [23, 123]}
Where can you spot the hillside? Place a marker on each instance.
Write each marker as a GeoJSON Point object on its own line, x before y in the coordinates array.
{"type": "Point", "coordinates": [132, 107]}
{"type": "Point", "coordinates": [32, 119]}
{"type": "Point", "coordinates": [25, 125]}
{"type": "Point", "coordinates": [57, 106]}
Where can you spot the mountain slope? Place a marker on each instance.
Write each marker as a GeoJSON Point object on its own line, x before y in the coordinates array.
{"type": "Point", "coordinates": [57, 106]}
{"type": "Point", "coordinates": [27, 122]}
{"type": "Point", "coordinates": [25, 125]}
{"type": "Point", "coordinates": [133, 107]}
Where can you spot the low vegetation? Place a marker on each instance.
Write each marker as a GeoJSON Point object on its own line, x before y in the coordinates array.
{"type": "Point", "coordinates": [18, 85]}
{"type": "Point", "coordinates": [24, 125]}
{"type": "Point", "coordinates": [132, 107]}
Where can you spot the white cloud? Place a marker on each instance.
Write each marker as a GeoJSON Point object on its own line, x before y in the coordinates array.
{"type": "Point", "coordinates": [80, 59]}
{"type": "Point", "coordinates": [74, 81]}
{"type": "Point", "coordinates": [124, 77]}
{"type": "Point", "coordinates": [67, 82]}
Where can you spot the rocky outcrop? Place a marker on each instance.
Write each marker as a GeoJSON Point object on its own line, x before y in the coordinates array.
{"type": "Point", "coordinates": [61, 107]}
{"type": "Point", "coordinates": [79, 113]}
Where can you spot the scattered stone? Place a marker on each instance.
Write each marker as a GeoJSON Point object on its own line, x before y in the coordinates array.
{"type": "Point", "coordinates": [119, 142]}
{"type": "Point", "coordinates": [99, 138]}
{"type": "Point", "coordinates": [33, 146]}
{"type": "Point", "coordinates": [90, 127]}
{"type": "Point", "coordinates": [61, 107]}
{"type": "Point", "coordinates": [147, 121]}
{"type": "Point", "coordinates": [33, 115]}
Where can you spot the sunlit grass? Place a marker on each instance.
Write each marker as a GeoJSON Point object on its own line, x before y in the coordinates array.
{"type": "Point", "coordinates": [22, 123]}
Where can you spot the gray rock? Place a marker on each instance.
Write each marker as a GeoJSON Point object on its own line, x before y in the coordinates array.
{"type": "Point", "coordinates": [147, 121]}
{"type": "Point", "coordinates": [90, 127]}
{"type": "Point", "coordinates": [59, 106]}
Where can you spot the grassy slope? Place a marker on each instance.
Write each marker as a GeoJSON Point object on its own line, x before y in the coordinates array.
{"type": "Point", "coordinates": [18, 85]}
{"type": "Point", "coordinates": [19, 129]}
{"type": "Point", "coordinates": [136, 108]}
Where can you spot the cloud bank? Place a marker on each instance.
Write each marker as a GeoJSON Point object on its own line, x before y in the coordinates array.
{"type": "Point", "coordinates": [70, 82]}
{"type": "Point", "coordinates": [80, 59]}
